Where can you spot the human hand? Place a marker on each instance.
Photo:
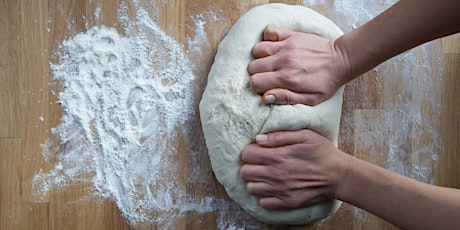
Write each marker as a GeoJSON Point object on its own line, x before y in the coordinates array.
{"type": "Point", "coordinates": [296, 68]}
{"type": "Point", "coordinates": [291, 169]}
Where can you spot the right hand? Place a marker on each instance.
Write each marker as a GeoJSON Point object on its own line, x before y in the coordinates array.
{"type": "Point", "coordinates": [292, 169]}
{"type": "Point", "coordinates": [296, 68]}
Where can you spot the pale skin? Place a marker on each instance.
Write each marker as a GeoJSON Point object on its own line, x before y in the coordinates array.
{"type": "Point", "coordinates": [299, 168]}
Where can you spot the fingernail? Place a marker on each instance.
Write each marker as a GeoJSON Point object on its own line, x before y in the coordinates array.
{"type": "Point", "coordinates": [262, 138]}
{"type": "Point", "coordinates": [270, 99]}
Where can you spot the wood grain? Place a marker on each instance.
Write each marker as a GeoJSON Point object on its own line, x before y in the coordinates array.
{"type": "Point", "coordinates": [32, 30]}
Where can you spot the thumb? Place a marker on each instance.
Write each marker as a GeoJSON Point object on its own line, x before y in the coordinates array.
{"type": "Point", "coordinates": [279, 96]}
{"type": "Point", "coordinates": [276, 33]}
{"type": "Point", "coordinates": [283, 138]}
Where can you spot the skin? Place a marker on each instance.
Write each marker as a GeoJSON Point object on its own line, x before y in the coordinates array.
{"type": "Point", "coordinates": [304, 68]}
{"type": "Point", "coordinates": [299, 168]}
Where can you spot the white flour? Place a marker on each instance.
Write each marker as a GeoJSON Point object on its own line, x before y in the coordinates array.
{"type": "Point", "coordinates": [127, 100]}
{"type": "Point", "coordinates": [125, 97]}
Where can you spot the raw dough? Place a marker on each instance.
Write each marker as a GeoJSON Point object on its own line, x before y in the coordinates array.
{"type": "Point", "coordinates": [232, 114]}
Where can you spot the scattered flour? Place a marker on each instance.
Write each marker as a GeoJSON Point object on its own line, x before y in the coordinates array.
{"type": "Point", "coordinates": [128, 100]}
{"type": "Point", "coordinates": [124, 97]}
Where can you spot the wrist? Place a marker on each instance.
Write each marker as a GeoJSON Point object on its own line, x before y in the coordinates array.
{"type": "Point", "coordinates": [342, 61]}
{"type": "Point", "coordinates": [348, 168]}
{"type": "Point", "coordinates": [358, 54]}
{"type": "Point", "coordinates": [342, 173]}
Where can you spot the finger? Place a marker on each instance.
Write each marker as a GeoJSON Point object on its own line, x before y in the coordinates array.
{"type": "Point", "coordinates": [281, 96]}
{"type": "Point", "coordinates": [276, 33]}
{"type": "Point", "coordinates": [253, 173]}
{"type": "Point", "coordinates": [259, 189]}
{"type": "Point", "coordinates": [265, 48]}
{"type": "Point", "coordinates": [272, 202]}
{"type": "Point", "coordinates": [268, 78]}
{"type": "Point", "coordinates": [262, 82]}
{"type": "Point", "coordinates": [280, 203]}
{"type": "Point", "coordinates": [283, 138]}
{"type": "Point", "coordinates": [254, 154]}
{"type": "Point", "coordinates": [261, 65]}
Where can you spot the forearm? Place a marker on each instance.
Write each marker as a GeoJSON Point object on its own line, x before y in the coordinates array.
{"type": "Point", "coordinates": [402, 201]}
{"type": "Point", "coordinates": [406, 24]}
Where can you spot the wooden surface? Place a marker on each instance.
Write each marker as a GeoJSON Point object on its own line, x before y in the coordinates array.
{"type": "Point", "coordinates": [376, 109]}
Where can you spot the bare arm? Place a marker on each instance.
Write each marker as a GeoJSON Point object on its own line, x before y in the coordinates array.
{"type": "Point", "coordinates": [293, 67]}
{"type": "Point", "coordinates": [405, 202]}
{"type": "Point", "coordinates": [406, 24]}
{"type": "Point", "coordinates": [299, 168]}
{"type": "Point", "coordinates": [402, 201]}
{"type": "Point", "coordinates": [294, 169]}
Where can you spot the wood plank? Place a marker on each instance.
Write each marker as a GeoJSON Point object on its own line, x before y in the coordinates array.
{"type": "Point", "coordinates": [9, 70]}
{"type": "Point", "coordinates": [449, 172]}
{"type": "Point", "coordinates": [15, 213]}
{"type": "Point", "coordinates": [32, 31]}
{"type": "Point", "coordinates": [451, 44]}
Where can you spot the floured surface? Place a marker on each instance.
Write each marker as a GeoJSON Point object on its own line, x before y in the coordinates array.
{"type": "Point", "coordinates": [123, 97]}
{"type": "Point", "coordinates": [127, 99]}
{"type": "Point", "coordinates": [406, 91]}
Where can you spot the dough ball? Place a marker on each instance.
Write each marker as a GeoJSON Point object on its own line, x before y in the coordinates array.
{"type": "Point", "coordinates": [232, 114]}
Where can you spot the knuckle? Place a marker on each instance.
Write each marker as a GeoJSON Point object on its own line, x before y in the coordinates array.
{"type": "Point", "coordinates": [280, 177]}
{"type": "Point", "coordinates": [257, 49]}
{"type": "Point", "coordinates": [273, 158]}
{"type": "Point", "coordinates": [277, 137]}
{"type": "Point", "coordinates": [266, 49]}
{"type": "Point", "coordinates": [254, 83]}
{"type": "Point", "coordinates": [290, 44]}
{"type": "Point", "coordinates": [287, 98]}
{"type": "Point", "coordinates": [263, 49]}
{"type": "Point", "coordinates": [280, 96]}
{"type": "Point", "coordinates": [290, 79]}
{"type": "Point", "coordinates": [251, 67]}
{"type": "Point", "coordinates": [244, 154]}
{"type": "Point", "coordinates": [243, 172]}
{"type": "Point", "coordinates": [248, 176]}
{"type": "Point", "coordinates": [287, 59]}
{"type": "Point", "coordinates": [283, 97]}
{"type": "Point", "coordinates": [270, 28]}
{"type": "Point", "coordinates": [249, 188]}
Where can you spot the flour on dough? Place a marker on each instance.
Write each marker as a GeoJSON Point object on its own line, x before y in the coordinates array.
{"type": "Point", "coordinates": [232, 114]}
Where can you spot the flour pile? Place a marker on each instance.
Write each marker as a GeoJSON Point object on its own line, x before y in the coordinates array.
{"type": "Point", "coordinates": [123, 99]}
{"type": "Point", "coordinates": [129, 106]}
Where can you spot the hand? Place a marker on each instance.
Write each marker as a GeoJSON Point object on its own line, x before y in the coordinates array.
{"type": "Point", "coordinates": [296, 68]}
{"type": "Point", "coordinates": [292, 169]}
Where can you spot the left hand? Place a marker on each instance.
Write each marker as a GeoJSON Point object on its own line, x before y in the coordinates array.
{"type": "Point", "coordinates": [297, 68]}
{"type": "Point", "coordinates": [291, 169]}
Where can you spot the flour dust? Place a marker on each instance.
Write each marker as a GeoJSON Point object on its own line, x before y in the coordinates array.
{"type": "Point", "coordinates": [129, 104]}
{"type": "Point", "coordinates": [129, 100]}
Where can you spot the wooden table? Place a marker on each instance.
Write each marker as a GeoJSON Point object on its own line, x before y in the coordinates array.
{"type": "Point", "coordinates": [404, 115]}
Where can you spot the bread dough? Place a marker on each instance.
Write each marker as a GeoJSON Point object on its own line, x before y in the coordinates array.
{"type": "Point", "coordinates": [232, 114]}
